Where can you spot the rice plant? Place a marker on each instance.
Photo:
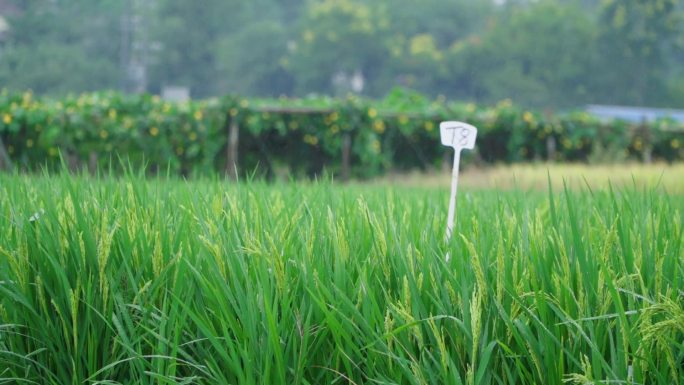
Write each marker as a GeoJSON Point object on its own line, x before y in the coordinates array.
{"type": "Point", "coordinates": [134, 281]}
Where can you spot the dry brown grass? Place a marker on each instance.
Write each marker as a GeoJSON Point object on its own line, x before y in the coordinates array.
{"type": "Point", "coordinates": [669, 178]}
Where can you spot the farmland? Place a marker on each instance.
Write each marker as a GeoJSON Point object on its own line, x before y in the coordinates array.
{"type": "Point", "coordinates": [135, 280]}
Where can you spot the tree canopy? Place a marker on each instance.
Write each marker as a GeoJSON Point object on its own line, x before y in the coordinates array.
{"type": "Point", "coordinates": [546, 53]}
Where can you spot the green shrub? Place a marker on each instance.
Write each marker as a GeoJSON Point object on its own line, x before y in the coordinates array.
{"type": "Point", "coordinates": [305, 136]}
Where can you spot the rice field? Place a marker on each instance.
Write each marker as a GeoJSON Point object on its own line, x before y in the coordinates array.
{"type": "Point", "coordinates": [137, 281]}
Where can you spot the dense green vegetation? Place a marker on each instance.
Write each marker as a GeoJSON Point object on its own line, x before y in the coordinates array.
{"type": "Point", "coordinates": [162, 281]}
{"type": "Point", "coordinates": [304, 137]}
{"type": "Point", "coordinates": [546, 54]}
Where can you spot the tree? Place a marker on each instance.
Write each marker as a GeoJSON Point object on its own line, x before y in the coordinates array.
{"type": "Point", "coordinates": [253, 61]}
{"type": "Point", "coordinates": [537, 55]}
{"type": "Point", "coordinates": [540, 53]}
{"type": "Point", "coordinates": [185, 31]}
{"type": "Point", "coordinates": [447, 21]}
{"type": "Point", "coordinates": [340, 38]}
{"type": "Point", "coordinates": [636, 38]}
{"type": "Point", "coordinates": [421, 33]}
{"type": "Point", "coordinates": [62, 46]}
{"type": "Point", "coordinates": [57, 69]}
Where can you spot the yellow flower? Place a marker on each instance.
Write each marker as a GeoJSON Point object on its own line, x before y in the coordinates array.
{"type": "Point", "coordinates": [638, 144]}
{"type": "Point", "coordinates": [198, 115]}
{"type": "Point", "coordinates": [244, 103]}
{"type": "Point", "coordinates": [293, 125]}
{"type": "Point", "coordinates": [674, 143]}
{"type": "Point", "coordinates": [193, 136]}
{"type": "Point", "coordinates": [154, 131]}
{"type": "Point", "coordinates": [470, 108]}
{"type": "Point", "coordinates": [429, 126]}
{"type": "Point", "coordinates": [334, 129]}
{"type": "Point", "coordinates": [372, 113]}
{"type": "Point", "coordinates": [233, 112]}
{"type": "Point", "coordinates": [104, 134]}
{"type": "Point", "coordinates": [375, 145]}
{"type": "Point", "coordinates": [379, 126]}
{"type": "Point", "coordinates": [403, 119]}
{"type": "Point", "coordinates": [528, 117]}
{"type": "Point", "coordinates": [29, 143]}
{"type": "Point", "coordinates": [310, 139]}
{"type": "Point", "coordinates": [53, 151]}
{"type": "Point", "coordinates": [7, 118]}
{"type": "Point", "coordinates": [112, 113]}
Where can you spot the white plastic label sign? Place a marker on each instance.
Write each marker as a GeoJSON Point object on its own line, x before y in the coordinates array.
{"type": "Point", "coordinates": [458, 135]}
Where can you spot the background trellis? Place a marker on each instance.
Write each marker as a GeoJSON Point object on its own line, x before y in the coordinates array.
{"type": "Point", "coordinates": [348, 137]}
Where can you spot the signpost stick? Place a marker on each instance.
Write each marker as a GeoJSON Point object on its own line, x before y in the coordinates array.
{"type": "Point", "coordinates": [459, 136]}
{"type": "Point", "coordinates": [452, 200]}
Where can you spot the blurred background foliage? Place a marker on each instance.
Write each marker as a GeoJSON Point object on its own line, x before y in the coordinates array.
{"type": "Point", "coordinates": [281, 137]}
{"type": "Point", "coordinates": [545, 54]}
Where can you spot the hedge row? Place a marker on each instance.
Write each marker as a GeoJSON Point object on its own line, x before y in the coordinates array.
{"type": "Point", "coordinates": [303, 136]}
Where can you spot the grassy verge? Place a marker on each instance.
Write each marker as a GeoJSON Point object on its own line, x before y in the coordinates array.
{"type": "Point", "coordinates": [133, 281]}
